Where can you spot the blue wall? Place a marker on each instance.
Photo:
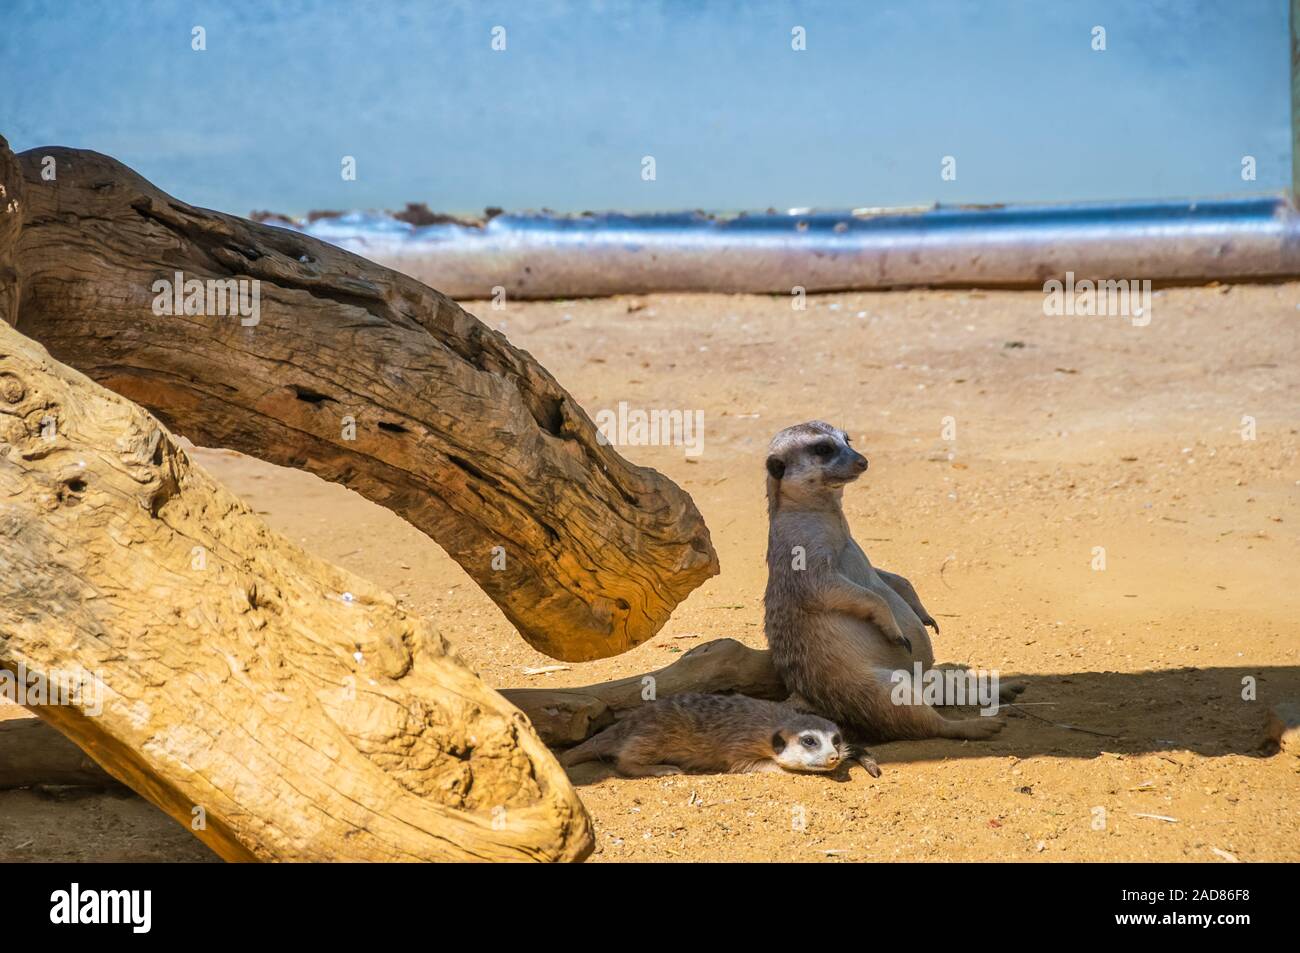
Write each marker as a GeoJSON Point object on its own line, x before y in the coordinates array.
{"type": "Point", "coordinates": [734, 118]}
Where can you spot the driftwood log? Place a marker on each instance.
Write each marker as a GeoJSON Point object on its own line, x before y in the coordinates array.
{"type": "Point", "coordinates": [35, 754]}
{"type": "Point", "coordinates": [276, 705]}
{"type": "Point", "coordinates": [366, 378]}
{"type": "Point", "coordinates": [565, 716]}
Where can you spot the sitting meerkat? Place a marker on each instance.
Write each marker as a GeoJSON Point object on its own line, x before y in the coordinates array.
{"type": "Point", "coordinates": [714, 734]}
{"type": "Point", "coordinates": [838, 627]}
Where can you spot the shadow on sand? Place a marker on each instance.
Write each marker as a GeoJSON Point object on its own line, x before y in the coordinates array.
{"type": "Point", "coordinates": [1200, 710]}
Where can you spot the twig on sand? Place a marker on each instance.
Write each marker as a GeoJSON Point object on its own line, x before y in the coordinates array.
{"type": "Point", "coordinates": [546, 669]}
{"type": "Point", "coordinates": [1058, 724]}
{"type": "Point", "coordinates": [1086, 731]}
{"type": "Point", "coordinates": [1159, 817]}
{"type": "Point", "coordinates": [944, 565]}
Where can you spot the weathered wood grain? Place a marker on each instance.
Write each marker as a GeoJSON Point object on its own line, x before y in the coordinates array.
{"type": "Point", "coordinates": [467, 437]}
{"type": "Point", "coordinates": [560, 716]}
{"type": "Point", "coordinates": [230, 677]}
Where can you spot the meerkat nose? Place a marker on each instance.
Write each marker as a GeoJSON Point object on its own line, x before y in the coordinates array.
{"type": "Point", "coordinates": [860, 462]}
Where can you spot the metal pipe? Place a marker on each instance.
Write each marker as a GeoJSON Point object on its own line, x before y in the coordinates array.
{"type": "Point", "coordinates": [543, 256]}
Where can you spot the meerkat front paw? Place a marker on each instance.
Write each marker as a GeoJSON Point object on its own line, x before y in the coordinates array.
{"type": "Point", "coordinates": [928, 620]}
{"type": "Point", "coordinates": [895, 635]}
{"type": "Point", "coordinates": [863, 757]}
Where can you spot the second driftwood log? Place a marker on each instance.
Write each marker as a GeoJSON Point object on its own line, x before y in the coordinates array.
{"type": "Point", "coordinates": [561, 716]}
{"type": "Point", "coordinates": [277, 706]}
{"type": "Point", "coordinates": [565, 716]}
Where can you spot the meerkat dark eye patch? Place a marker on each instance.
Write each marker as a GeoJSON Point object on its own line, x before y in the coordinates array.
{"type": "Point", "coordinates": [778, 743]}
{"type": "Point", "coordinates": [823, 448]}
{"type": "Point", "coordinates": [776, 467]}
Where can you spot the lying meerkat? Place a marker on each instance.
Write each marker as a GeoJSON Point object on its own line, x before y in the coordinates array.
{"type": "Point", "coordinates": [839, 628]}
{"type": "Point", "coordinates": [715, 734]}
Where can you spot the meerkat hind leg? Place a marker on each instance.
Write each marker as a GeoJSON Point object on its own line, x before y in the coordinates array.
{"type": "Point", "coordinates": [923, 721]}
{"type": "Point", "coordinates": [971, 729]}
{"type": "Point", "coordinates": [1007, 691]}
{"type": "Point", "coordinates": [883, 716]}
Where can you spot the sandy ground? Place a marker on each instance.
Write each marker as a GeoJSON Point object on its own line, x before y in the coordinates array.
{"type": "Point", "coordinates": [1071, 433]}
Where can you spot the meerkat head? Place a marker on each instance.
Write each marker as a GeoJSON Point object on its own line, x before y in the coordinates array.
{"type": "Point", "coordinates": [807, 461]}
{"type": "Point", "coordinates": [808, 743]}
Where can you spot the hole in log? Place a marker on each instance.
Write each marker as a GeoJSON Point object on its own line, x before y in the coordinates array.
{"type": "Point", "coordinates": [247, 251]}
{"type": "Point", "coordinates": [290, 249]}
{"type": "Point", "coordinates": [549, 414]}
{"type": "Point", "coordinates": [76, 485]}
{"type": "Point", "coordinates": [391, 428]}
{"type": "Point", "coordinates": [310, 396]}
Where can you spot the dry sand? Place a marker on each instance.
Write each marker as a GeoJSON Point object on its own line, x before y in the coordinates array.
{"type": "Point", "coordinates": [1071, 433]}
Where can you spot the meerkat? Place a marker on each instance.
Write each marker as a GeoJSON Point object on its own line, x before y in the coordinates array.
{"type": "Point", "coordinates": [717, 734]}
{"type": "Point", "coordinates": [839, 628]}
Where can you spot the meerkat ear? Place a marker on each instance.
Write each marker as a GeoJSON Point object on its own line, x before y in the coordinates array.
{"type": "Point", "coordinates": [776, 467]}
{"type": "Point", "coordinates": [778, 743]}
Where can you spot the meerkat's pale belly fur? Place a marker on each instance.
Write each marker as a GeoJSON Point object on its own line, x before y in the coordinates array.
{"type": "Point", "coordinates": [854, 564]}
{"type": "Point", "coordinates": [839, 664]}
{"type": "Point", "coordinates": [827, 656]}
{"type": "Point", "coordinates": [843, 634]}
